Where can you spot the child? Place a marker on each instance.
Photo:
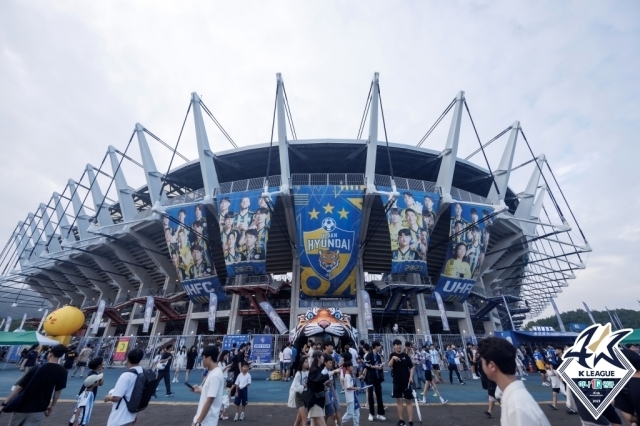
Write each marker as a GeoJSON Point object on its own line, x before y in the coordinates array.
{"type": "Point", "coordinates": [242, 393]}
{"type": "Point", "coordinates": [349, 389]}
{"type": "Point", "coordinates": [225, 401]}
{"type": "Point", "coordinates": [82, 411]}
{"type": "Point", "coordinates": [556, 383]}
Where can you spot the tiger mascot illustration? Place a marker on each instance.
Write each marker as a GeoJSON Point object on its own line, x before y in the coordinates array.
{"type": "Point", "coordinates": [329, 260]}
{"type": "Point", "coordinates": [324, 320]}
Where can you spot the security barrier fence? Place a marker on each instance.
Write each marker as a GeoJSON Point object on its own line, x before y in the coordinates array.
{"type": "Point", "coordinates": [105, 347]}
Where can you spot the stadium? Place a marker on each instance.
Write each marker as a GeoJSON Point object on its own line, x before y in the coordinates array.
{"type": "Point", "coordinates": [349, 238]}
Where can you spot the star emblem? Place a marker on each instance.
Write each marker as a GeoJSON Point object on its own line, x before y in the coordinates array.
{"type": "Point", "coordinates": [314, 213]}
{"type": "Point", "coordinates": [343, 213]}
{"type": "Point", "coordinates": [328, 208]}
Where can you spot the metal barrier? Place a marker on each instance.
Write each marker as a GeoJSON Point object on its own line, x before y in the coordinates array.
{"type": "Point", "coordinates": [105, 346]}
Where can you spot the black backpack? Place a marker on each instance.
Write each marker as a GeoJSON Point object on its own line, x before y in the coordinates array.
{"type": "Point", "coordinates": [143, 389]}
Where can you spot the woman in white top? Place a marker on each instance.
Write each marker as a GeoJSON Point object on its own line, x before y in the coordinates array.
{"type": "Point", "coordinates": [181, 357]}
{"type": "Point", "coordinates": [298, 392]}
{"type": "Point", "coordinates": [224, 364]}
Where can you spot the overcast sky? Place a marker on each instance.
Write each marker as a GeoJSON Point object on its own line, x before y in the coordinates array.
{"type": "Point", "coordinates": [76, 76]}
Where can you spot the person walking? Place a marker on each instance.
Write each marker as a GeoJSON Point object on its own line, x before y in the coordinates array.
{"type": "Point", "coordinates": [192, 354]}
{"type": "Point", "coordinates": [70, 358]}
{"type": "Point", "coordinates": [429, 382]}
{"type": "Point", "coordinates": [299, 389]}
{"type": "Point", "coordinates": [375, 377]}
{"type": "Point", "coordinates": [181, 356]}
{"type": "Point", "coordinates": [164, 369]}
{"type": "Point", "coordinates": [83, 358]}
{"type": "Point", "coordinates": [211, 391]}
{"type": "Point", "coordinates": [84, 405]}
{"type": "Point", "coordinates": [120, 414]}
{"type": "Point", "coordinates": [403, 370]}
{"type": "Point", "coordinates": [42, 387]}
{"type": "Point", "coordinates": [418, 361]}
{"type": "Point", "coordinates": [499, 364]}
{"type": "Point", "coordinates": [350, 390]}
{"type": "Point", "coordinates": [450, 355]}
{"type": "Point", "coordinates": [316, 389]}
{"type": "Point", "coordinates": [287, 358]}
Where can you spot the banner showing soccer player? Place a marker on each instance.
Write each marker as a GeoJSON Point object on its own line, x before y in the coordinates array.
{"type": "Point", "coordinates": [411, 220]}
{"type": "Point", "coordinates": [328, 223]}
{"type": "Point", "coordinates": [185, 231]}
{"type": "Point", "coordinates": [470, 231]}
{"type": "Point", "coordinates": [244, 219]}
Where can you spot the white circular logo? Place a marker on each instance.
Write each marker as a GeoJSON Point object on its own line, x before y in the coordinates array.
{"type": "Point", "coordinates": [328, 224]}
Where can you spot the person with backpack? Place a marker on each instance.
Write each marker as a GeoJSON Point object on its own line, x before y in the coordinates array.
{"type": "Point", "coordinates": [37, 393]}
{"type": "Point", "coordinates": [132, 392]}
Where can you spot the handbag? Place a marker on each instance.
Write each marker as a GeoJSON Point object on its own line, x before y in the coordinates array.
{"type": "Point", "coordinates": [12, 405]}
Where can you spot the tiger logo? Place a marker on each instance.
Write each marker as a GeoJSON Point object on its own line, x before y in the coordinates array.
{"type": "Point", "coordinates": [329, 260]}
{"type": "Point", "coordinates": [324, 320]}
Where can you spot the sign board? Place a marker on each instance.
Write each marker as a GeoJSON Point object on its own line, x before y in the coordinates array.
{"type": "Point", "coordinates": [262, 349]}
{"type": "Point", "coordinates": [121, 349]}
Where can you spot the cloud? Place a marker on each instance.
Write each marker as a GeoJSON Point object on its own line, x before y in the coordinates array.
{"type": "Point", "coordinates": [76, 76]}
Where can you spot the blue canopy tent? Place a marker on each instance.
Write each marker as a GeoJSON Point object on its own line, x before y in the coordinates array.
{"type": "Point", "coordinates": [538, 338]}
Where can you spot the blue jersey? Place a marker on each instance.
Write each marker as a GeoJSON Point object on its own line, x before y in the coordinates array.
{"type": "Point", "coordinates": [428, 364]}
{"type": "Point", "coordinates": [538, 356]}
{"type": "Point", "coordinates": [551, 356]}
{"type": "Point", "coordinates": [451, 357]}
{"type": "Point", "coordinates": [83, 408]}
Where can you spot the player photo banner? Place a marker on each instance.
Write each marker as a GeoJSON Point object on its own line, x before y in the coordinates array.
{"type": "Point", "coordinates": [244, 219]}
{"type": "Point", "coordinates": [470, 230]}
{"type": "Point", "coordinates": [187, 237]}
{"type": "Point", "coordinates": [328, 223]}
{"type": "Point", "coordinates": [411, 220]}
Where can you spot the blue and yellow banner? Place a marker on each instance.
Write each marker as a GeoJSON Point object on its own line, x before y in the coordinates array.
{"type": "Point", "coordinates": [328, 223]}
{"type": "Point", "coordinates": [411, 220]}
{"type": "Point", "coordinates": [469, 233]}
{"type": "Point", "coordinates": [244, 219]}
{"type": "Point", "coordinates": [187, 237]}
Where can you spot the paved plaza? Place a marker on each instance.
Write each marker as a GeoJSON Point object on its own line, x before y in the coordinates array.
{"type": "Point", "coordinates": [267, 403]}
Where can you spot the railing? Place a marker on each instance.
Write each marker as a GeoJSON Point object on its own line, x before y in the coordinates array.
{"type": "Point", "coordinates": [189, 197]}
{"type": "Point", "coordinates": [249, 184]}
{"type": "Point", "coordinates": [249, 280]}
{"type": "Point", "coordinates": [105, 346]}
{"type": "Point", "coordinates": [327, 179]}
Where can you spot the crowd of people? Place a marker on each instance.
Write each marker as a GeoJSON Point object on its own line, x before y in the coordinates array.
{"type": "Point", "coordinates": [322, 377]}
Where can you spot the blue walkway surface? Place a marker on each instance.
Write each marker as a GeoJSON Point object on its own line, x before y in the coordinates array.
{"type": "Point", "coordinates": [267, 391]}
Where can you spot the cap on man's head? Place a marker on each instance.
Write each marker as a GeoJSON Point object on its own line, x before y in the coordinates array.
{"type": "Point", "coordinates": [92, 380]}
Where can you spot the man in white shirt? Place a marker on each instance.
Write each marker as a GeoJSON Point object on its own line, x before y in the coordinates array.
{"type": "Point", "coordinates": [435, 363]}
{"type": "Point", "coordinates": [211, 391]}
{"type": "Point", "coordinates": [499, 364]}
{"type": "Point", "coordinates": [286, 360]}
{"type": "Point", "coordinates": [120, 414]}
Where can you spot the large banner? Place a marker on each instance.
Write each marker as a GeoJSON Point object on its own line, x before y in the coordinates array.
{"type": "Point", "coordinates": [470, 230]}
{"type": "Point", "coordinates": [230, 339]}
{"type": "Point", "coordinates": [368, 315]}
{"type": "Point", "coordinates": [328, 223]}
{"type": "Point", "coordinates": [98, 318]}
{"type": "Point", "coordinates": [244, 231]}
{"type": "Point", "coordinates": [213, 311]}
{"type": "Point", "coordinates": [185, 231]}
{"type": "Point", "coordinates": [411, 220]}
{"type": "Point", "coordinates": [274, 317]}
{"type": "Point", "coordinates": [148, 312]}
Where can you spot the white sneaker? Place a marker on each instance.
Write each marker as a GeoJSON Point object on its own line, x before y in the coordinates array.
{"type": "Point", "coordinates": [522, 378]}
{"type": "Point", "coordinates": [545, 384]}
{"type": "Point", "coordinates": [444, 401]}
{"type": "Point", "coordinates": [370, 418]}
{"type": "Point", "coordinates": [382, 418]}
{"type": "Point", "coordinates": [235, 419]}
{"type": "Point", "coordinates": [424, 401]}
{"type": "Point", "coordinates": [242, 416]}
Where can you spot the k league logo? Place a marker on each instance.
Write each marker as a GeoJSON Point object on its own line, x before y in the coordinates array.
{"type": "Point", "coordinates": [595, 369]}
